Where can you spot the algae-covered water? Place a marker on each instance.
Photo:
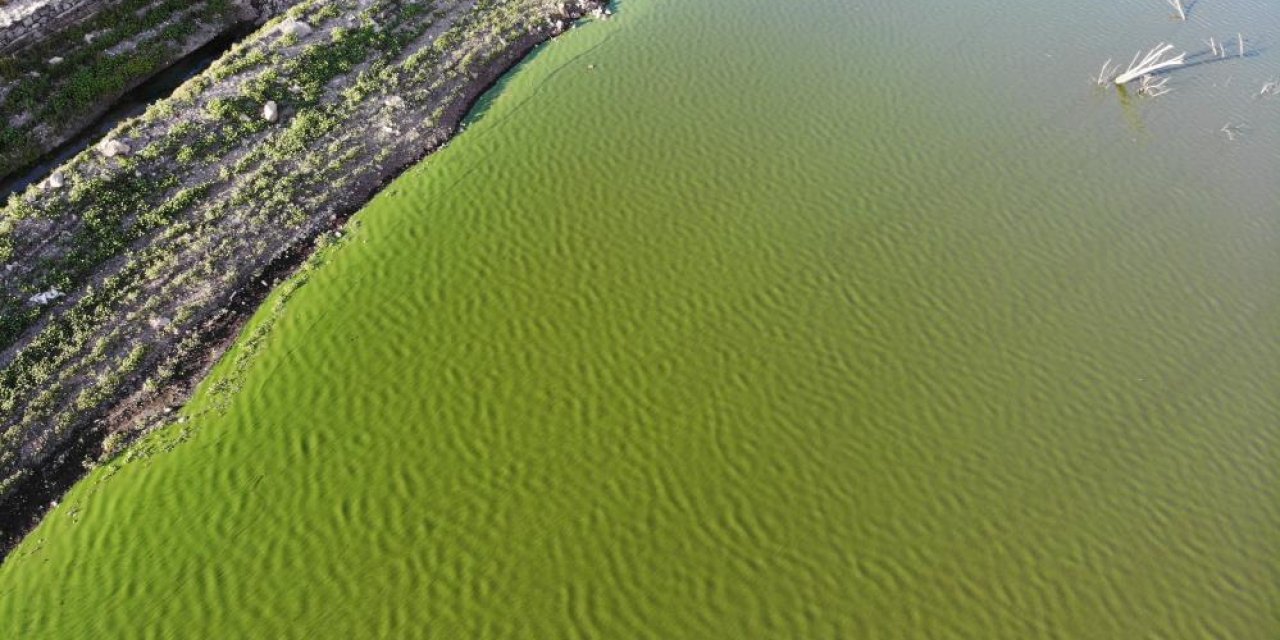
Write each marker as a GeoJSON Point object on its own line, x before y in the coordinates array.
{"type": "Point", "coordinates": [745, 318]}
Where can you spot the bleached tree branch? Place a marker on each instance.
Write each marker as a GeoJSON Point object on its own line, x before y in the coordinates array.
{"type": "Point", "coordinates": [1155, 60]}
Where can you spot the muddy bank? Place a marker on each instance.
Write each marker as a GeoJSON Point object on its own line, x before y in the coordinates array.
{"type": "Point", "coordinates": [222, 191]}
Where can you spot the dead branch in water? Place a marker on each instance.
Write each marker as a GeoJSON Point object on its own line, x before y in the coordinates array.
{"type": "Point", "coordinates": [1177, 4]}
{"type": "Point", "coordinates": [1156, 59]}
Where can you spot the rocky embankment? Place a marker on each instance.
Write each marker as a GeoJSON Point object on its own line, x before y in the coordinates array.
{"type": "Point", "coordinates": [123, 273]}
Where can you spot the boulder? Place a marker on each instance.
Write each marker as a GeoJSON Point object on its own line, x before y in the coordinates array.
{"type": "Point", "coordinates": [270, 111]}
{"type": "Point", "coordinates": [111, 148]}
{"type": "Point", "coordinates": [54, 181]}
{"type": "Point", "coordinates": [294, 28]}
{"type": "Point", "coordinates": [45, 297]}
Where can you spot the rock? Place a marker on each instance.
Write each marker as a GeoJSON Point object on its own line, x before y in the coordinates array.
{"type": "Point", "coordinates": [557, 27]}
{"type": "Point", "coordinates": [158, 322]}
{"type": "Point", "coordinates": [295, 28]}
{"type": "Point", "coordinates": [54, 181]}
{"type": "Point", "coordinates": [270, 111]}
{"type": "Point", "coordinates": [394, 102]}
{"type": "Point", "coordinates": [45, 297]}
{"type": "Point", "coordinates": [90, 37]}
{"type": "Point", "coordinates": [55, 61]}
{"type": "Point", "coordinates": [111, 148]}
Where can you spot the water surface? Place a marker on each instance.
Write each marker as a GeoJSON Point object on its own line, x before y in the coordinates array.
{"type": "Point", "coordinates": [753, 319]}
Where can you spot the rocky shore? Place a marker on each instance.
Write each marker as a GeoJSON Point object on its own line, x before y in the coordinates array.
{"type": "Point", "coordinates": [129, 269]}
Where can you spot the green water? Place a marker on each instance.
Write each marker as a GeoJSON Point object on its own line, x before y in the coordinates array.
{"type": "Point", "coordinates": [753, 319]}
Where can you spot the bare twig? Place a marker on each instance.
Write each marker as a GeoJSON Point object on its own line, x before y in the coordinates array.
{"type": "Point", "coordinates": [1177, 4]}
{"type": "Point", "coordinates": [1271, 88]}
{"type": "Point", "coordinates": [1232, 130]}
{"type": "Point", "coordinates": [1106, 73]}
{"type": "Point", "coordinates": [1240, 41]}
{"type": "Point", "coordinates": [1153, 87]}
{"type": "Point", "coordinates": [1216, 48]}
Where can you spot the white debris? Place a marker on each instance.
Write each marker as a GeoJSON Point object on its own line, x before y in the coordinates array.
{"type": "Point", "coordinates": [45, 297]}
{"type": "Point", "coordinates": [55, 61]}
{"type": "Point", "coordinates": [270, 111]}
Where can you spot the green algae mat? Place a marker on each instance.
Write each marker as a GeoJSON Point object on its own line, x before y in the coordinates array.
{"type": "Point", "coordinates": [741, 319]}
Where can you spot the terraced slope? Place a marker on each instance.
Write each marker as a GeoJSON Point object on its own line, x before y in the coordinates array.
{"type": "Point", "coordinates": [53, 89]}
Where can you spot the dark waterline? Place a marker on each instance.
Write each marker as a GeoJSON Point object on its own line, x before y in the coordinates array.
{"type": "Point", "coordinates": [133, 103]}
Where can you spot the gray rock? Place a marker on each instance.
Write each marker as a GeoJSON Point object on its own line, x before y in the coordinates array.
{"type": "Point", "coordinates": [294, 28]}
{"type": "Point", "coordinates": [111, 148]}
{"type": "Point", "coordinates": [270, 111]}
{"type": "Point", "coordinates": [45, 297]}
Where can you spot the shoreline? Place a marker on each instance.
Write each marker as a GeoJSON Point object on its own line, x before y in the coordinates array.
{"type": "Point", "coordinates": [136, 413]}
